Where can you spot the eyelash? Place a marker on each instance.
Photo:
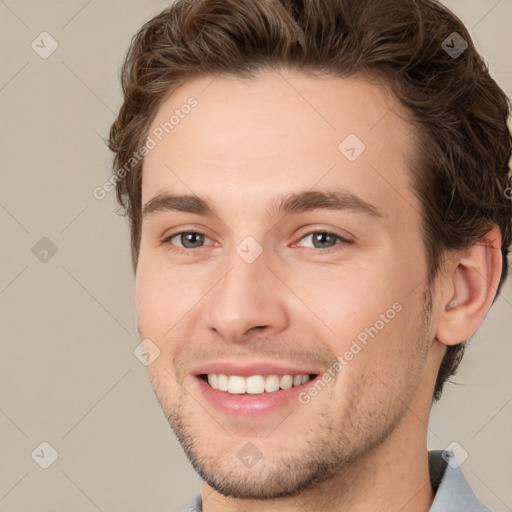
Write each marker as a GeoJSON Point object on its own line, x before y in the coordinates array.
{"type": "Point", "coordinates": [343, 240]}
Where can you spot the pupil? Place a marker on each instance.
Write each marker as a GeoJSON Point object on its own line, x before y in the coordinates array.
{"type": "Point", "coordinates": [190, 238]}
{"type": "Point", "coordinates": [321, 237]}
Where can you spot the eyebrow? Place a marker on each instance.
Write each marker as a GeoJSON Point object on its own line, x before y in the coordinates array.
{"type": "Point", "coordinates": [288, 204]}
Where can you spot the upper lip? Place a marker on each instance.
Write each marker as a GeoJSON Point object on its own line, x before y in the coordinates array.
{"type": "Point", "coordinates": [253, 368]}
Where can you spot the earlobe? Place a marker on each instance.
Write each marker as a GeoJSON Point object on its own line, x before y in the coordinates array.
{"type": "Point", "coordinates": [469, 283]}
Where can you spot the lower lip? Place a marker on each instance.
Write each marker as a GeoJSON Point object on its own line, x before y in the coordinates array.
{"type": "Point", "coordinates": [248, 404]}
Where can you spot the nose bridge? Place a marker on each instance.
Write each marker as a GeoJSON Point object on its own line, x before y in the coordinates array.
{"type": "Point", "coordinates": [247, 295]}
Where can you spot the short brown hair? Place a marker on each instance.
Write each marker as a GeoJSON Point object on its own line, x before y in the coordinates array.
{"type": "Point", "coordinates": [461, 172]}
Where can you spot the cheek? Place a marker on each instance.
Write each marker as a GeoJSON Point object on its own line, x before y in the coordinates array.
{"type": "Point", "coordinates": [158, 309]}
{"type": "Point", "coordinates": [351, 299]}
{"type": "Point", "coordinates": [155, 303]}
{"type": "Point", "coordinates": [371, 317]}
{"type": "Point", "coordinates": [166, 299]}
{"type": "Point", "coordinates": [387, 364]}
{"type": "Point", "coordinates": [146, 305]}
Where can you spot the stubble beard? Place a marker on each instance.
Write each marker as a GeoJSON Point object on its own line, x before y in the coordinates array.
{"type": "Point", "coordinates": [323, 452]}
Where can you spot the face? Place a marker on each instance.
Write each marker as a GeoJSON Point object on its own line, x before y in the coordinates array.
{"type": "Point", "coordinates": [298, 257]}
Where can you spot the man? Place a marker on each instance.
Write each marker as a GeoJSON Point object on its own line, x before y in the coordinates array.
{"type": "Point", "coordinates": [320, 218]}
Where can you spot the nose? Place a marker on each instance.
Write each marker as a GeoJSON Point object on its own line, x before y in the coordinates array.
{"type": "Point", "coordinates": [248, 300]}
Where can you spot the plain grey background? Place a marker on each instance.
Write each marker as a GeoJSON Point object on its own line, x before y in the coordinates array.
{"type": "Point", "coordinates": [69, 375]}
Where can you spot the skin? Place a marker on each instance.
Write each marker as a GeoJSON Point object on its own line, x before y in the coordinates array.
{"type": "Point", "coordinates": [360, 444]}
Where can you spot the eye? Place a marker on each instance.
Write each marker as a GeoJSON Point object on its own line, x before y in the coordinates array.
{"type": "Point", "coordinates": [323, 239]}
{"type": "Point", "coordinates": [187, 239]}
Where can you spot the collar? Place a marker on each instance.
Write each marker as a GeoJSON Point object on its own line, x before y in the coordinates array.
{"type": "Point", "coordinates": [453, 492]}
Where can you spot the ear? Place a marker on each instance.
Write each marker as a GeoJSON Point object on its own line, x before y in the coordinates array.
{"type": "Point", "coordinates": [468, 287]}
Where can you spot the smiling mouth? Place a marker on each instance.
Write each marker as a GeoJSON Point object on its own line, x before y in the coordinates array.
{"type": "Point", "coordinates": [255, 384]}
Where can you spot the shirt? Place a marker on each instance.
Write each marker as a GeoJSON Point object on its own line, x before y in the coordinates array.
{"type": "Point", "coordinates": [452, 491]}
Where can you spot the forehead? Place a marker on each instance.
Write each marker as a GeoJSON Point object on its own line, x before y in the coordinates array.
{"type": "Point", "coordinates": [239, 139]}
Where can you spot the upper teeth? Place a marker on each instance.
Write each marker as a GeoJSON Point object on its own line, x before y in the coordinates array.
{"type": "Point", "coordinates": [255, 384]}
